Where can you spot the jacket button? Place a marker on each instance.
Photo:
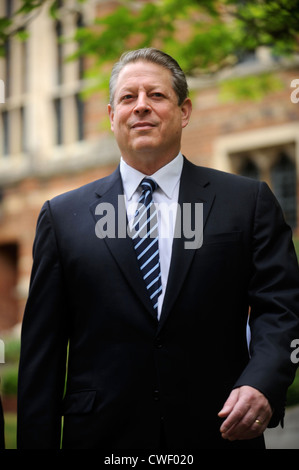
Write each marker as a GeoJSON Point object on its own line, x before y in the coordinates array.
{"type": "Point", "coordinates": [156, 395]}
{"type": "Point", "coordinates": [158, 343]}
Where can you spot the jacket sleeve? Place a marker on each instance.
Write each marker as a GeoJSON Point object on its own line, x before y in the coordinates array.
{"type": "Point", "coordinates": [274, 302]}
{"type": "Point", "coordinates": [43, 344]}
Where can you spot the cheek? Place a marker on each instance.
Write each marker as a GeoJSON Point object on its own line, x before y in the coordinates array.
{"type": "Point", "coordinates": [117, 124]}
{"type": "Point", "coordinates": [172, 124]}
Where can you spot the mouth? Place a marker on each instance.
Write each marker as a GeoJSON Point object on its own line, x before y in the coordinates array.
{"type": "Point", "coordinates": [143, 125]}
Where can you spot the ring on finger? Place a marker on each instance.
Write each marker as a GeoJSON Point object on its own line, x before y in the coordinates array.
{"type": "Point", "coordinates": [258, 422]}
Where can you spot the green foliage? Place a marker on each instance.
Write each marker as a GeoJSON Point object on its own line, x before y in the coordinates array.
{"type": "Point", "coordinates": [27, 12]}
{"type": "Point", "coordinates": [156, 24]}
{"type": "Point", "coordinates": [9, 370]}
{"type": "Point", "coordinates": [217, 32]}
{"type": "Point", "coordinates": [269, 22]}
{"type": "Point", "coordinates": [28, 5]}
{"type": "Point", "coordinates": [296, 244]}
{"type": "Point", "coordinates": [5, 24]}
{"type": "Point", "coordinates": [9, 380]}
{"type": "Point", "coordinates": [293, 392]}
{"type": "Point", "coordinates": [253, 87]}
{"type": "Point", "coordinates": [12, 351]}
{"type": "Point", "coordinates": [10, 431]}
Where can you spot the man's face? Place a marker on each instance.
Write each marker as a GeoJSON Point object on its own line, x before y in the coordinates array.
{"type": "Point", "coordinates": [146, 118]}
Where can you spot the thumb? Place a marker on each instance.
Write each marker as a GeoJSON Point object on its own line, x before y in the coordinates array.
{"type": "Point", "coordinates": [229, 404]}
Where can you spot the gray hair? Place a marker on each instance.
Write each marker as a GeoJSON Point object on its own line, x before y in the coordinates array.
{"type": "Point", "coordinates": [155, 56]}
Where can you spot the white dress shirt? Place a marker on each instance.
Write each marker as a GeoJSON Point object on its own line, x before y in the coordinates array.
{"type": "Point", "coordinates": [166, 199]}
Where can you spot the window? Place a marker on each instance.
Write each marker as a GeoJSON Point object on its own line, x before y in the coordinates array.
{"type": "Point", "coordinates": [67, 103]}
{"type": "Point", "coordinates": [80, 117]}
{"type": "Point", "coordinates": [59, 51]}
{"type": "Point", "coordinates": [249, 169]}
{"type": "Point", "coordinates": [7, 66]}
{"type": "Point", "coordinates": [275, 165]}
{"type": "Point", "coordinates": [13, 112]}
{"type": "Point", "coordinates": [58, 120]}
{"type": "Point", "coordinates": [5, 132]}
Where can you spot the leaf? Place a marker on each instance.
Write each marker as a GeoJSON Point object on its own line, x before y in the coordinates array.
{"type": "Point", "coordinates": [253, 87]}
{"type": "Point", "coordinates": [5, 23]}
{"type": "Point", "coordinates": [28, 6]}
{"type": "Point", "coordinates": [54, 9]}
{"type": "Point", "coordinates": [22, 34]}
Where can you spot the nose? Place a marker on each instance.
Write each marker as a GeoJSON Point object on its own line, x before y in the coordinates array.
{"type": "Point", "coordinates": [142, 104]}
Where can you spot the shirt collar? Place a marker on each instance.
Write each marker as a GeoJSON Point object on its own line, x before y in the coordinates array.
{"type": "Point", "coordinates": [166, 177]}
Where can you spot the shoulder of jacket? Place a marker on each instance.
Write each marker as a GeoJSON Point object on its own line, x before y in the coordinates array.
{"type": "Point", "coordinates": [82, 193]}
{"type": "Point", "coordinates": [211, 175]}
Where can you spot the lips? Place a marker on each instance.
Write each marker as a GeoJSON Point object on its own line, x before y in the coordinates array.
{"type": "Point", "coordinates": [143, 125]}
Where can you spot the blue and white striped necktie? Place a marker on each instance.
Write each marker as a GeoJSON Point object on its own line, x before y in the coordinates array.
{"type": "Point", "coordinates": [145, 240]}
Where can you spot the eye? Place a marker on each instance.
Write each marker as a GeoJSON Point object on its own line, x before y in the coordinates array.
{"type": "Point", "coordinates": [157, 94]}
{"type": "Point", "coordinates": [127, 97]}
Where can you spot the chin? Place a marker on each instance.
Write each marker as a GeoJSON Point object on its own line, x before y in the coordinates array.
{"type": "Point", "coordinates": [146, 148]}
{"type": "Point", "coordinates": [145, 142]}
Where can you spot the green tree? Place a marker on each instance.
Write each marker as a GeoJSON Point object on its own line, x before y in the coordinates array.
{"type": "Point", "coordinates": [15, 24]}
{"type": "Point", "coordinates": [216, 33]}
{"type": "Point", "coordinates": [219, 31]}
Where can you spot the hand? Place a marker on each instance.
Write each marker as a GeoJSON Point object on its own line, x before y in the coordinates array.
{"type": "Point", "coordinates": [247, 412]}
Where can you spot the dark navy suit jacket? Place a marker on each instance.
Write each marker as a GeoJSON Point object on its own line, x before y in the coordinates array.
{"type": "Point", "coordinates": [127, 372]}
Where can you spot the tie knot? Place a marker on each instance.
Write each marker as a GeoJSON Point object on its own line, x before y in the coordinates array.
{"type": "Point", "coordinates": [148, 184]}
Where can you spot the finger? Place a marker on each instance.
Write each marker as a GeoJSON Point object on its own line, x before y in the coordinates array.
{"type": "Point", "coordinates": [247, 413]}
{"type": "Point", "coordinates": [239, 416]}
{"type": "Point", "coordinates": [249, 427]}
{"type": "Point", "coordinates": [243, 432]}
{"type": "Point", "coordinates": [229, 404]}
{"type": "Point", "coordinates": [246, 428]}
{"type": "Point", "coordinates": [258, 422]}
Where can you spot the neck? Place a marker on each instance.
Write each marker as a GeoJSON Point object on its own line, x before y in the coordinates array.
{"type": "Point", "coordinates": [147, 165]}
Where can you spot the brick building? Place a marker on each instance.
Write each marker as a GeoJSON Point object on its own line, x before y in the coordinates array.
{"type": "Point", "coordinates": [51, 141]}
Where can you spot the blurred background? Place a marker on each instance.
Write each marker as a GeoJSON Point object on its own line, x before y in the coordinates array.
{"type": "Point", "coordinates": [242, 63]}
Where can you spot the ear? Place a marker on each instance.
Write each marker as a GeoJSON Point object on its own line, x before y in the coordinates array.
{"type": "Point", "coordinates": [111, 116]}
{"type": "Point", "coordinates": [186, 109]}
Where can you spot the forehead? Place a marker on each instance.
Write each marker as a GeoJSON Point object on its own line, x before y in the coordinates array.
{"type": "Point", "coordinates": [145, 73]}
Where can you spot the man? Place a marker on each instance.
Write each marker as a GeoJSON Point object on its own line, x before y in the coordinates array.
{"type": "Point", "coordinates": [167, 368]}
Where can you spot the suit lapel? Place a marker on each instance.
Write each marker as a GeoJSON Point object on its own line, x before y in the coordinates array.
{"type": "Point", "coordinates": [109, 197]}
{"type": "Point", "coordinates": [193, 189]}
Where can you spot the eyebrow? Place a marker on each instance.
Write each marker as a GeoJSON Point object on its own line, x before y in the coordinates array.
{"type": "Point", "coordinates": [131, 88]}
